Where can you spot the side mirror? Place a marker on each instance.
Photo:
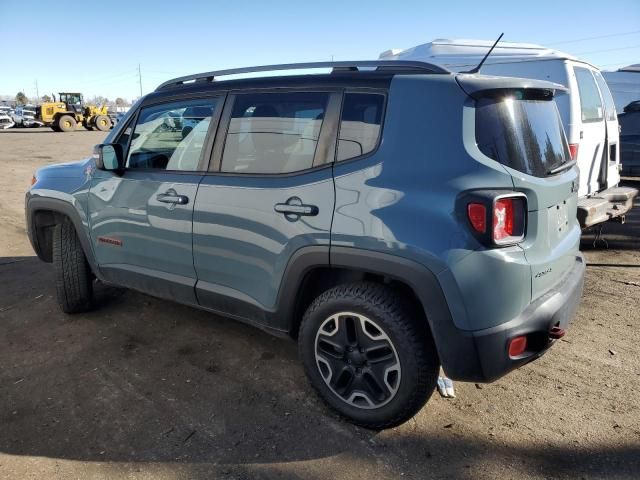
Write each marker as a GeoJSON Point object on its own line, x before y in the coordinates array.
{"type": "Point", "coordinates": [109, 156]}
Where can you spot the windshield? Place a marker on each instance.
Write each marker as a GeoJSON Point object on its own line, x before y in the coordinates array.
{"type": "Point", "coordinates": [526, 135]}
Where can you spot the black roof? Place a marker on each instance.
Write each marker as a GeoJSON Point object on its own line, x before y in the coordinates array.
{"type": "Point", "coordinates": [373, 80]}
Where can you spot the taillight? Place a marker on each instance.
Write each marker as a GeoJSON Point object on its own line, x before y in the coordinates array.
{"type": "Point", "coordinates": [573, 150]}
{"type": "Point", "coordinates": [508, 220]}
{"type": "Point", "coordinates": [497, 218]}
{"type": "Point", "coordinates": [477, 214]}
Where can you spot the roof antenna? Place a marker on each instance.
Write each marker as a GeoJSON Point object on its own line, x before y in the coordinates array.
{"type": "Point", "coordinates": [477, 69]}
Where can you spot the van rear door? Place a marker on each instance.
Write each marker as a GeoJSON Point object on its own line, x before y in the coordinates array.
{"type": "Point", "coordinates": [522, 129]}
{"type": "Point", "coordinates": [592, 146]}
{"type": "Point", "coordinates": [612, 161]}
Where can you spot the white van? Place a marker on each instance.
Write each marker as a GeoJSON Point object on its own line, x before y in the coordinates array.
{"type": "Point", "coordinates": [624, 85]}
{"type": "Point", "coordinates": [587, 109]}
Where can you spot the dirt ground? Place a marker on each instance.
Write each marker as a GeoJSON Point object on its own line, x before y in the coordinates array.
{"type": "Point", "coordinates": [143, 388]}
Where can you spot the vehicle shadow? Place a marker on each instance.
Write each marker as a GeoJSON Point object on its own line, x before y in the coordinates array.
{"type": "Point", "coordinates": [141, 380]}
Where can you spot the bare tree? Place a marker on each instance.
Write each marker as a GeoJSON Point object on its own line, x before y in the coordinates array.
{"type": "Point", "coordinates": [100, 100]}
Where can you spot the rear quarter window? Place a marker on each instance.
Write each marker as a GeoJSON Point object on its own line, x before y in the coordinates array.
{"type": "Point", "coordinates": [360, 124]}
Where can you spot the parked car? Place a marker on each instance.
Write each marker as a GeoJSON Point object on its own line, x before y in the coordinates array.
{"type": "Point", "coordinates": [390, 216]}
{"type": "Point", "coordinates": [587, 110]}
{"type": "Point", "coordinates": [630, 139]}
{"type": "Point", "coordinates": [5, 117]}
{"type": "Point", "coordinates": [5, 121]}
{"type": "Point", "coordinates": [25, 116]}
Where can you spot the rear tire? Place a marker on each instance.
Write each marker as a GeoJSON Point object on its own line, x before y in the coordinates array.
{"type": "Point", "coordinates": [102, 123]}
{"type": "Point", "coordinates": [66, 123]}
{"type": "Point", "coordinates": [370, 357]}
{"type": "Point", "coordinates": [74, 280]}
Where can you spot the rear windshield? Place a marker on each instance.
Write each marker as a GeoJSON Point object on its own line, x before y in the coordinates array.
{"type": "Point", "coordinates": [526, 135]}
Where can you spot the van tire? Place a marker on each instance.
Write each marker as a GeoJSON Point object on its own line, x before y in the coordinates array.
{"type": "Point", "coordinates": [74, 280]}
{"type": "Point", "coordinates": [406, 331]}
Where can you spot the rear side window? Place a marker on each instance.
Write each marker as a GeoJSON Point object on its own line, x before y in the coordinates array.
{"type": "Point", "coordinates": [526, 135]}
{"type": "Point", "coordinates": [609, 104]}
{"type": "Point", "coordinates": [590, 103]}
{"type": "Point", "coordinates": [274, 132]}
{"type": "Point", "coordinates": [359, 124]}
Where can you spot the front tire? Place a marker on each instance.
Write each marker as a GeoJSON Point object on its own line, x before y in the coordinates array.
{"type": "Point", "coordinates": [370, 357]}
{"type": "Point", "coordinates": [74, 280]}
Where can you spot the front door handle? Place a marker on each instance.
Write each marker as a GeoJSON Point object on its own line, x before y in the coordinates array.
{"type": "Point", "coordinates": [295, 208]}
{"type": "Point", "coordinates": [171, 196]}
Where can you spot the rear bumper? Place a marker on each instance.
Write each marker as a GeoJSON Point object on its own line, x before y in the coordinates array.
{"type": "Point", "coordinates": [553, 309]}
{"type": "Point", "coordinates": [606, 205]}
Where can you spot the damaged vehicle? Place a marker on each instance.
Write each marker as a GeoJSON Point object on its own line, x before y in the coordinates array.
{"type": "Point", "coordinates": [25, 116]}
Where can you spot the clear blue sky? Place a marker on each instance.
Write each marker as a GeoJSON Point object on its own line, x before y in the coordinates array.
{"type": "Point", "coordinates": [95, 47]}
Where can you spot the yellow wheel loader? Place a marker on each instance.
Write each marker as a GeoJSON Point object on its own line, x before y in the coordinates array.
{"type": "Point", "coordinates": [64, 115]}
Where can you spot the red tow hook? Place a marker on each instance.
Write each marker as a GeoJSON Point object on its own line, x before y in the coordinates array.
{"type": "Point", "coordinates": [556, 332]}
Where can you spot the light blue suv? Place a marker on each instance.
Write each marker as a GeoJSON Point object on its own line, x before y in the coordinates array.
{"type": "Point", "coordinates": [391, 216]}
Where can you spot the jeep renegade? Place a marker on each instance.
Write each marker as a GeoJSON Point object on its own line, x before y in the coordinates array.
{"type": "Point", "coordinates": [391, 216]}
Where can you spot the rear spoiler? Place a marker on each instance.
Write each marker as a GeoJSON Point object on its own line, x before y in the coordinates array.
{"type": "Point", "coordinates": [478, 86]}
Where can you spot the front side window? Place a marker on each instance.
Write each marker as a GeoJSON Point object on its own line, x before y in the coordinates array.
{"type": "Point", "coordinates": [359, 124]}
{"type": "Point", "coordinates": [170, 136]}
{"type": "Point", "coordinates": [274, 132]}
{"type": "Point", "coordinates": [590, 103]}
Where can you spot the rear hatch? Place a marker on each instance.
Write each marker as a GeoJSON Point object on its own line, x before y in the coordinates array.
{"type": "Point", "coordinates": [520, 127]}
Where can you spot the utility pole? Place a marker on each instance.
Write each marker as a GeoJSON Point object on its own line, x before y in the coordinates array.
{"type": "Point", "coordinates": [37, 93]}
{"type": "Point", "coordinates": [140, 79]}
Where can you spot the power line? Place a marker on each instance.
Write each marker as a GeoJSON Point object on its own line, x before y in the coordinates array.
{"type": "Point", "coordinates": [594, 38]}
{"type": "Point", "coordinates": [608, 50]}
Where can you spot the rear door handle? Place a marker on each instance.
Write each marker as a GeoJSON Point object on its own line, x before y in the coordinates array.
{"type": "Point", "coordinates": [295, 207]}
{"type": "Point", "coordinates": [171, 196]}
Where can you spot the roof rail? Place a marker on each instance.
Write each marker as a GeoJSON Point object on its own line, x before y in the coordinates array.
{"type": "Point", "coordinates": [388, 65]}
